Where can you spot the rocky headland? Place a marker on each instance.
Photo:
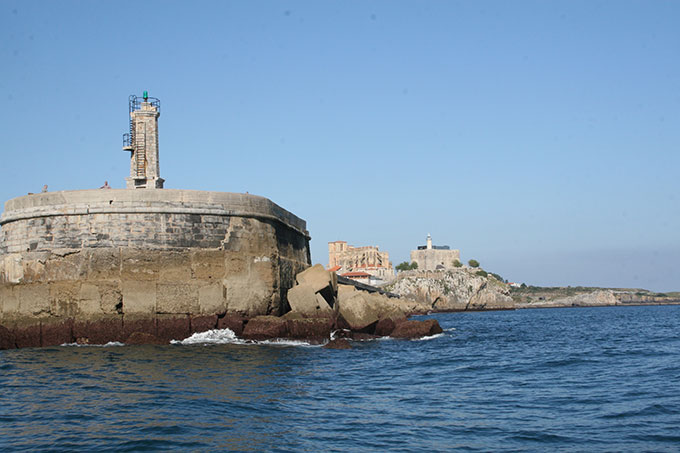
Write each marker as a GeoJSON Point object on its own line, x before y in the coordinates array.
{"type": "Point", "coordinates": [466, 288]}
{"type": "Point", "coordinates": [453, 290]}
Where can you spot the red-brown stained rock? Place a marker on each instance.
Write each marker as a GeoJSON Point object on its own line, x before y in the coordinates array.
{"type": "Point", "coordinates": [138, 338]}
{"type": "Point", "coordinates": [362, 336]}
{"type": "Point", "coordinates": [142, 325]}
{"type": "Point", "coordinates": [315, 329]}
{"type": "Point", "coordinates": [265, 328]}
{"type": "Point", "coordinates": [172, 327]}
{"type": "Point", "coordinates": [203, 323]}
{"type": "Point", "coordinates": [417, 329]}
{"type": "Point", "coordinates": [6, 338]}
{"type": "Point", "coordinates": [338, 343]}
{"type": "Point", "coordinates": [384, 327]}
{"type": "Point", "coordinates": [99, 331]}
{"type": "Point", "coordinates": [27, 337]}
{"type": "Point", "coordinates": [57, 332]}
{"type": "Point", "coordinates": [233, 322]}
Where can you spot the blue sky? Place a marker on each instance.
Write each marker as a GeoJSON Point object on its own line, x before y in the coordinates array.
{"type": "Point", "coordinates": [540, 138]}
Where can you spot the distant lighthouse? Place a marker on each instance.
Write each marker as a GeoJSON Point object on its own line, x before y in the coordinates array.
{"type": "Point", "coordinates": [142, 142]}
{"type": "Point", "coordinates": [429, 242]}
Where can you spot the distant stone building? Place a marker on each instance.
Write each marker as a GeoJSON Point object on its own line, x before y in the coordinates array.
{"type": "Point", "coordinates": [432, 257]}
{"type": "Point", "coordinates": [345, 258]}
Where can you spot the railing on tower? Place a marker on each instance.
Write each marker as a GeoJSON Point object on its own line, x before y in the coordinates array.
{"type": "Point", "coordinates": [135, 102]}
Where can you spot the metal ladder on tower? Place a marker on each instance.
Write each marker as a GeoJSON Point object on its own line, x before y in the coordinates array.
{"type": "Point", "coordinates": [140, 154]}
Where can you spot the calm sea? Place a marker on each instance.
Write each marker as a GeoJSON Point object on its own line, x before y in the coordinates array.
{"type": "Point", "coordinates": [582, 379]}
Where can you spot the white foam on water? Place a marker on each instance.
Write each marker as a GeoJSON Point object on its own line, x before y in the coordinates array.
{"type": "Point", "coordinates": [227, 336]}
{"type": "Point", "coordinates": [286, 342]}
{"type": "Point", "coordinates": [451, 329]}
{"type": "Point", "coordinates": [429, 337]}
{"type": "Point", "coordinates": [333, 333]}
{"type": "Point", "coordinates": [107, 345]}
{"type": "Point", "coordinates": [215, 336]}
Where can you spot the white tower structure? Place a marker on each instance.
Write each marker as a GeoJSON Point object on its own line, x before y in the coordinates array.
{"type": "Point", "coordinates": [429, 242]}
{"type": "Point", "coordinates": [142, 142]}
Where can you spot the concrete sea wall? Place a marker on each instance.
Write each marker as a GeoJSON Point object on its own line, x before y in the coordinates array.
{"type": "Point", "coordinates": [80, 264]}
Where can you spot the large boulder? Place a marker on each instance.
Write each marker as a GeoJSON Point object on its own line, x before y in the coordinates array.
{"type": "Point", "coordinates": [385, 327]}
{"type": "Point", "coordinates": [316, 330]}
{"type": "Point", "coordinates": [321, 281]}
{"type": "Point", "coordinates": [304, 300]}
{"type": "Point", "coordinates": [357, 310]}
{"type": "Point", "coordinates": [265, 328]}
{"type": "Point", "coordinates": [317, 277]}
{"type": "Point", "coordinates": [416, 329]}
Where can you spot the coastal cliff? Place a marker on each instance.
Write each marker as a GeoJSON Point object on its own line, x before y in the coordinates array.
{"type": "Point", "coordinates": [453, 290]}
{"type": "Point", "coordinates": [464, 289]}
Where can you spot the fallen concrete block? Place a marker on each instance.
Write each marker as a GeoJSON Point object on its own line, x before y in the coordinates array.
{"type": "Point", "coordinates": [303, 299]}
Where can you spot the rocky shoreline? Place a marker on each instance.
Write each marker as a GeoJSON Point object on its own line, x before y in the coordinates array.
{"type": "Point", "coordinates": [321, 312]}
{"type": "Point", "coordinates": [468, 289]}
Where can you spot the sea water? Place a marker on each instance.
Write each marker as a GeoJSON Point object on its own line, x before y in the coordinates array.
{"type": "Point", "coordinates": [581, 379]}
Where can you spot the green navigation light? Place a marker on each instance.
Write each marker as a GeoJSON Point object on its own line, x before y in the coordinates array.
{"type": "Point", "coordinates": [146, 95]}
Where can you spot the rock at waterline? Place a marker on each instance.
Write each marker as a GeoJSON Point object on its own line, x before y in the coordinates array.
{"type": "Point", "coordinates": [338, 343]}
{"type": "Point", "coordinates": [417, 329]}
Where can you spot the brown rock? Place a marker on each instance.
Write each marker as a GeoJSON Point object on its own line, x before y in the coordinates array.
{"type": "Point", "coordinates": [233, 322]}
{"type": "Point", "coordinates": [265, 328]}
{"type": "Point", "coordinates": [6, 338]}
{"type": "Point", "coordinates": [57, 332]}
{"type": "Point", "coordinates": [363, 336]}
{"type": "Point", "coordinates": [385, 327]}
{"type": "Point", "coordinates": [169, 327]}
{"type": "Point", "coordinates": [338, 343]}
{"type": "Point", "coordinates": [203, 323]}
{"type": "Point", "coordinates": [293, 315]}
{"type": "Point", "coordinates": [137, 338]}
{"type": "Point", "coordinates": [99, 331]}
{"type": "Point", "coordinates": [416, 329]}
{"type": "Point", "coordinates": [318, 329]}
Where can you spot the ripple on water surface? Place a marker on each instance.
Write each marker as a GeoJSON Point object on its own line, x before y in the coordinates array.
{"type": "Point", "coordinates": [571, 379]}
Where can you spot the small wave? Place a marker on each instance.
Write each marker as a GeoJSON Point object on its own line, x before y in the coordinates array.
{"type": "Point", "coordinates": [429, 337]}
{"type": "Point", "coordinates": [215, 336]}
{"type": "Point", "coordinates": [450, 329]}
{"type": "Point", "coordinates": [227, 336]}
{"type": "Point", "coordinates": [107, 345]}
{"type": "Point", "coordinates": [286, 342]}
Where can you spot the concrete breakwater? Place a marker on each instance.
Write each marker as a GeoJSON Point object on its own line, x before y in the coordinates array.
{"type": "Point", "coordinates": [99, 265]}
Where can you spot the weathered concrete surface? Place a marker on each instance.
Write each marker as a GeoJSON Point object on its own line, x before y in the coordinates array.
{"type": "Point", "coordinates": [167, 261]}
{"type": "Point", "coordinates": [149, 219]}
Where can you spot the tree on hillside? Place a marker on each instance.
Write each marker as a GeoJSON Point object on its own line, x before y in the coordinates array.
{"type": "Point", "coordinates": [405, 266]}
{"type": "Point", "coordinates": [473, 263]}
{"type": "Point", "coordinates": [457, 263]}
